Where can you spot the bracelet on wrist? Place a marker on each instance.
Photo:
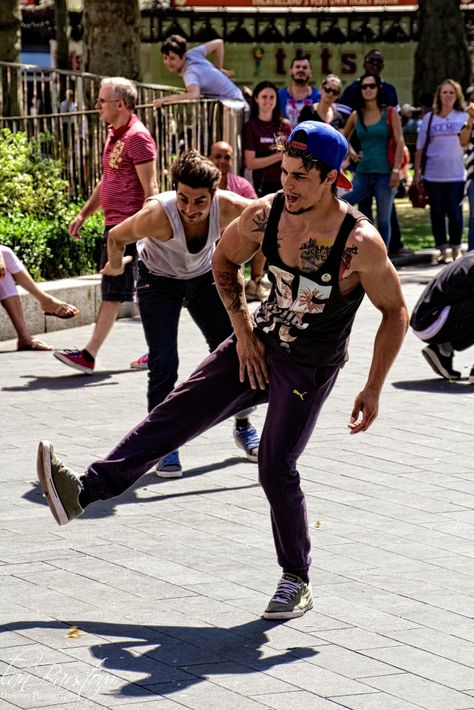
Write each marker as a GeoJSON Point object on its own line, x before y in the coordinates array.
{"type": "Point", "coordinates": [395, 170]}
{"type": "Point", "coordinates": [467, 125]}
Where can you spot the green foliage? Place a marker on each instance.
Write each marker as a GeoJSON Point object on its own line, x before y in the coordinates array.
{"type": "Point", "coordinates": [35, 211]}
{"type": "Point", "coordinates": [45, 247]}
{"type": "Point", "coordinates": [30, 181]}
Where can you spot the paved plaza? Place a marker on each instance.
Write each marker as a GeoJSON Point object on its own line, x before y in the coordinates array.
{"type": "Point", "coordinates": [166, 585]}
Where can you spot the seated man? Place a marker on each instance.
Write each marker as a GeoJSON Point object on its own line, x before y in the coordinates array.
{"type": "Point", "coordinates": [444, 316]}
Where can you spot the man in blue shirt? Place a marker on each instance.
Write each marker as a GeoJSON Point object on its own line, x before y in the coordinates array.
{"type": "Point", "coordinates": [299, 93]}
{"type": "Point", "coordinates": [201, 77]}
{"type": "Point", "coordinates": [374, 64]}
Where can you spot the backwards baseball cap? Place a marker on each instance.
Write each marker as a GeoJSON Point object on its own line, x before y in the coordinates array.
{"type": "Point", "coordinates": [324, 143]}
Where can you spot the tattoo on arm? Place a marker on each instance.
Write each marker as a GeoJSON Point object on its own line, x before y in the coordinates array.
{"type": "Point", "coordinates": [230, 290]}
{"type": "Point", "coordinates": [260, 221]}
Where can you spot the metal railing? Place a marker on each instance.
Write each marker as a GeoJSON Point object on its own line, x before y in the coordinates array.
{"type": "Point", "coordinates": [30, 99]}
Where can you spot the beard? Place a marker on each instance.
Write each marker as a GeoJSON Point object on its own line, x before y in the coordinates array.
{"type": "Point", "coordinates": [299, 81]}
{"type": "Point", "coordinates": [301, 210]}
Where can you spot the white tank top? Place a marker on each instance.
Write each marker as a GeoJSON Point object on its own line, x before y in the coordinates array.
{"type": "Point", "coordinates": [172, 258]}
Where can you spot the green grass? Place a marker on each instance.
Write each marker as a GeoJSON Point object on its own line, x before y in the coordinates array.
{"type": "Point", "coordinates": [415, 225]}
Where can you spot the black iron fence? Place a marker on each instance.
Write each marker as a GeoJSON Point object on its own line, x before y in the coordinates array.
{"type": "Point", "coordinates": [30, 101]}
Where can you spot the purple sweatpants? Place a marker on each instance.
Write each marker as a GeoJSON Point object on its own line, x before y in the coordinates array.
{"type": "Point", "coordinates": [212, 394]}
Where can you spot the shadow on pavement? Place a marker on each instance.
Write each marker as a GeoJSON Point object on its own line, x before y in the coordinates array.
{"type": "Point", "coordinates": [107, 508]}
{"type": "Point", "coordinates": [68, 382]}
{"type": "Point", "coordinates": [436, 385]}
{"type": "Point", "coordinates": [169, 658]}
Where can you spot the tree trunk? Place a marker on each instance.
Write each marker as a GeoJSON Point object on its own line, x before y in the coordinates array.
{"type": "Point", "coordinates": [10, 19]}
{"type": "Point", "coordinates": [442, 50]}
{"type": "Point", "coordinates": [112, 38]}
{"type": "Point", "coordinates": [62, 41]}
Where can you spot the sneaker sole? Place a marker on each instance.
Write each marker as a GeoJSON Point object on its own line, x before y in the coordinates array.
{"type": "Point", "coordinates": [287, 614]}
{"type": "Point", "coordinates": [45, 477]}
{"type": "Point", "coordinates": [74, 365]}
{"type": "Point", "coordinates": [138, 367]}
{"type": "Point", "coordinates": [437, 367]}
{"type": "Point", "coordinates": [250, 457]}
{"type": "Point", "coordinates": [168, 474]}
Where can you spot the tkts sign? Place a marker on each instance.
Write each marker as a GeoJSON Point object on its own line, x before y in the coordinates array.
{"type": "Point", "coordinates": [297, 3]}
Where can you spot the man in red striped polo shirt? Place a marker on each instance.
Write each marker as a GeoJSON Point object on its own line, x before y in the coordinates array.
{"type": "Point", "coordinates": [129, 177]}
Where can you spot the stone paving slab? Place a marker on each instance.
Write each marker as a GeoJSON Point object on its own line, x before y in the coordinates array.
{"type": "Point", "coordinates": [167, 583]}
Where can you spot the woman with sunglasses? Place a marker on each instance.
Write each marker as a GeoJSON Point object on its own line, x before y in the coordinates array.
{"type": "Point", "coordinates": [323, 110]}
{"type": "Point", "coordinates": [373, 124]}
{"type": "Point", "coordinates": [439, 163]}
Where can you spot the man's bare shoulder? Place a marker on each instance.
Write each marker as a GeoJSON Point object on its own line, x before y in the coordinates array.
{"type": "Point", "coordinates": [365, 248]}
{"type": "Point", "coordinates": [255, 217]}
{"type": "Point", "coordinates": [153, 220]}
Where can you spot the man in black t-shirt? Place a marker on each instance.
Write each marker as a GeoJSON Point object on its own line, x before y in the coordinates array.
{"type": "Point", "coordinates": [444, 316]}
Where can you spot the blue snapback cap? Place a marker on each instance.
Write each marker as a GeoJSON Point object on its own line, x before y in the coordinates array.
{"type": "Point", "coordinates": [324, 143]}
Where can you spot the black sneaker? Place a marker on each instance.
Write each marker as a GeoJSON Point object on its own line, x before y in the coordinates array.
{"type": "Point", "coordinates": [441, 364]}
{"type": "Point", "coordinates": [292, 598]}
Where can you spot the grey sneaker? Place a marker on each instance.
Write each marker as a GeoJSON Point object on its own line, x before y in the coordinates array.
{"type": "Point", "coordinates": [292, 598]}
{"type": "Point", "coordinates": [61, 486]}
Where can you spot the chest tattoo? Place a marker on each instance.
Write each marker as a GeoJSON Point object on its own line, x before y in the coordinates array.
{"type": "Point", "coordinates": [313, 254]}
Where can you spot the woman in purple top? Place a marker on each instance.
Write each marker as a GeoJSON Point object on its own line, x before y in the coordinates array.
{"type": "Point", "coordinates": [265, 128]}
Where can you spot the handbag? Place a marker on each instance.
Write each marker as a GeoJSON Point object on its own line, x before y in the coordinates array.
{"type": "Point", "coordinates": [392, 143]}
{"type": "Point", "coordinates": [417, 195]}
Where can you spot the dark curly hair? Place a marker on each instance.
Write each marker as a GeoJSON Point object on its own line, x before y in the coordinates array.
{"type": "Point", "coordinates": [194, 170]}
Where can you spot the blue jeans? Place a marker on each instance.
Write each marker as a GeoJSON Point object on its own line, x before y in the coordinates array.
{"type": "Point", "coordinates": [367, 185]}
{"type": "Point", "coordinates": [470, 233]}
{"type": "Point", "coordinates": [160, 300]}
{"type": "Point", "coordinates": [445, 204]}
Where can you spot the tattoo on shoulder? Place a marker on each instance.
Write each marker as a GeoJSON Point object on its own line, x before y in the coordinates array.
{"type": "Point", "coordinates": [349, 252]}
{"type": "Point", "coordinates": [260, 220]}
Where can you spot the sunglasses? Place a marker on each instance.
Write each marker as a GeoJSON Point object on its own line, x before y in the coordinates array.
{"type": "Point", "coordinates": [374, 60]}
{"type": "Point", "coordinates": [368, 86]}
{"type": "Point", "coordinates": [328, 90]}
{"type": "Point", "coordinates": [106, 101]}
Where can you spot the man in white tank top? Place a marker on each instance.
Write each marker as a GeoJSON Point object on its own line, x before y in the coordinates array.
{"type": "Point", "coordinates": [178, 232]}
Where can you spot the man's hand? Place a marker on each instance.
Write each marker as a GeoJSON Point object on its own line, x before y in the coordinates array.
{"type": "Point", "coordinates": [228, 72]}
{"type": "Point", "coordinates": [110, 270]}
{"type": "Point", "coordinates": [158, 103]}
{"type": "Point", "coordinates": [366, 408]}
{"type": "Point", "coordinates": [75, 226]}
{"type": "Point", "coordinates": [253, 362]}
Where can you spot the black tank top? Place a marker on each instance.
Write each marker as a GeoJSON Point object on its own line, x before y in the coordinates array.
{"type": "Point", "coordinates": [306, 316]}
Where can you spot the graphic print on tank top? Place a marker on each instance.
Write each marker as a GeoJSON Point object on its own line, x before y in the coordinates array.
{"type": "Point", "coordinates": [294, 296]}
{"type": "Point", "coordinates": [306, 315]}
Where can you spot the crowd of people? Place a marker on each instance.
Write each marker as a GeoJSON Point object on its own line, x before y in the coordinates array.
{"type": "Point", "coordinates": [313, 256]}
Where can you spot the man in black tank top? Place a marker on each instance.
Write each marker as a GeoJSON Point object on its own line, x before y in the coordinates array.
{"type": "Point", "coordinates": [323, 256]}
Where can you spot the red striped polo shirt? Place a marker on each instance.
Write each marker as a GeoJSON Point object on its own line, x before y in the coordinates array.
{"type": "Point", "coordinates": [121, 193]}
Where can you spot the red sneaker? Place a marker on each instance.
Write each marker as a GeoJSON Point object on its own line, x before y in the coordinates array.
{"type": "Point", "coordinates": [75, 359]}
{"type": "Point", "coordinates": [141, 363]}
